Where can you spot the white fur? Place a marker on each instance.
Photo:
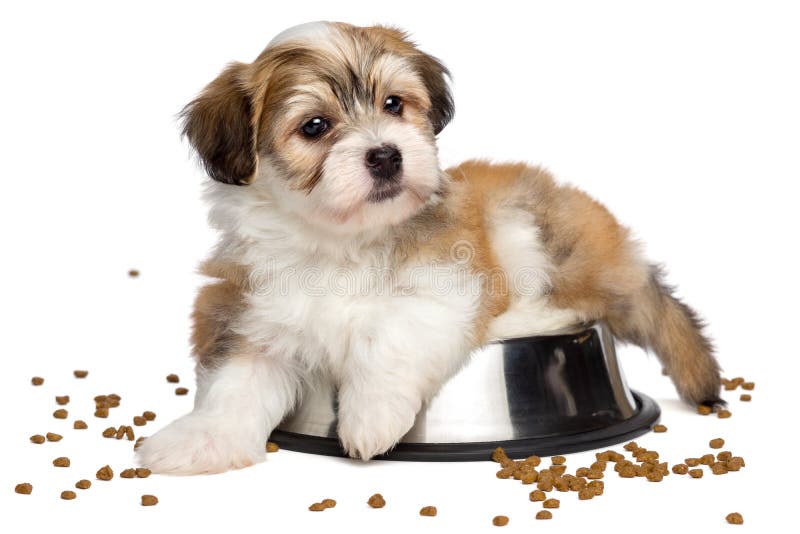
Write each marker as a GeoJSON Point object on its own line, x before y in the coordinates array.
{"type": "Point", "coordinates": [318, 32]}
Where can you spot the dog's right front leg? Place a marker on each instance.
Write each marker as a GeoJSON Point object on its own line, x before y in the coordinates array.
{"type": "Point", "coordinates": [237, 405]}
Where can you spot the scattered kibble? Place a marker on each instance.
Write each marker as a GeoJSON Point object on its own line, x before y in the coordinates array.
{"type": "Point", "coordinates": [68, 495]}
{"type": "Point", "coordinates": [272, 446]}
{"type": "Point", "coordinates": [716, 443]}
{"type": "Point", "coordinates": [62, 400]}
{"type": "Point", "coordinates": [38, 439]}
{"type": "Point", "coordinates": [328, 503]}
{"type": "Point", "coordinates": [129, 433]}
{"type": "Point", "coordinates": [696, 473]}
{"type": "Point", "coordinates": [149, 416]}
{"type": "Point", "coordinates": [60, 414]}
{"type": "Point", "coordinates": [138, 420]}
{"type": "Point", "coordinates": [558, 460]}
{"type": "Point", "coordinates": [537, 495]}
{"type": "Point", "coordinates": [109, 432]}
{"type": "Point", "coordinates": [53, 437]}
{"type": "Point", "coordinates": [428, 511]}
{"type": "Point", "coordinates": [317, 507]}
{"type": "Point", "coordinates": [734, 518]}
{"type": "Point", "coordinates": [61, 461]}
{"type": "Point", "coordinates": [551, 503]}
{"type": "Point", "coordinates": [105, 473]}
{"type": "Point", "coordinates": [680, 469]}
{"type": "Point", "coordinates": [80, 373]}
{"type": "Point", "coordinates": [149, 500]}
{"type": "Point", "coordinates": [544, 514]}
{"type": "Point", "coordinates": [102, 413]}
{"type": "Point", "coordinates": [500, 521]}
{"type": "Point", "coordinates": [37, 380]}
{"type": "Point", "coordinates": [23, 489]}
{"type": "Point", "coordinates": [745, 397]}
{"type": "Point", "coordinates": [749, 386]}
{"type": "Point", "coordinates": [181, 391]}
{"type": "Point", "coordinates": [128, 473]}
{"type": "Point", "coordinates": [83, 484]}
{"type": "Point", "coordinates": [133, 273]}
{"type": "Point", "coordinates": [80, 425]}
{"type": "Point", "coordinates": [723, 414]}
{"type": "Point", "coordinates": [703, 409]}
{"type": "Point", "coordinates": [376, 501]}
{"type": "Point", "coordinates": [659, 429]}
{"type": "Point", "coordinates": [142, 472]}
{"type": "Point", "coordinates": [173, 378]}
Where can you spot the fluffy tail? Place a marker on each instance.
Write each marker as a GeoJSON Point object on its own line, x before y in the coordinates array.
{"type": "Point", "coordinates": [654, 319]}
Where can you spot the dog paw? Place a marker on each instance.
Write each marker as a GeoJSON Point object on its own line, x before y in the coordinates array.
{"type": "Point", "coordinates": [200, 444]}
{"type": "Point", "coordinates": [372, 430]}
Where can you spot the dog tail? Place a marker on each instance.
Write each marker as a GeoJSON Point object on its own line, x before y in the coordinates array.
{"type": "Point", "coordinates": [655, 319]}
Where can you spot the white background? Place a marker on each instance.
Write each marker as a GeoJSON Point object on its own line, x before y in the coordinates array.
{"type": "Point", "coordinates": [681, 116]}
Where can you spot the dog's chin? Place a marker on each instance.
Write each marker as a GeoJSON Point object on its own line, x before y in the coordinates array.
{"type": "Point", "coordinates": [383, 192]}
{"type": "Point", "coordinates": [383, 207]}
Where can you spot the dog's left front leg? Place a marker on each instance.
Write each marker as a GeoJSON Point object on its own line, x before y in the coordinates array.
{"type": "Point", "coordinates": [387, 377]}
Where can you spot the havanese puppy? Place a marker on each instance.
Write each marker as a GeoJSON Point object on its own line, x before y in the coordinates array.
{"type": "Point", "coordinates": [347, 252]}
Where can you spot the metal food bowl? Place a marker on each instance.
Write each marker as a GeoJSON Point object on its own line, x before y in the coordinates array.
{"type": "Point", "coordinates": [546, 394]}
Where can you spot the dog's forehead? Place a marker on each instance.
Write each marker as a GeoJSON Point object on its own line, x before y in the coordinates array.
{"type": "Point", "coordinates": [313, 32]}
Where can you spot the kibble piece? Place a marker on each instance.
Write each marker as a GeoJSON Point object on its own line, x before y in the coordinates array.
{"type": "Point", "coordinates": [734, 518]}
{"type": "Point", "coordinates": [703, 409]}
{"type": "Point", "coordinates": [735, 463]}
{"type": "Point", "coordinates": [37, 380]}
{"type": "Point", "coordinates": [723, 414]}
{"type": "Point", "coordinates": [749, 386]}
{"type": "Point", "coordinates": [173, 379]}
{"type": "Point", "coordinates": [133, 273]}
{"type": "Point", "coordinates": [724, 456]}
{"type": "Point", "coordinates": [631, 446]}
{"type": "Point", "coordinates": [558, 460]}
{"type": "Point", "coordinates": [328, 503]}
{"type": "Point", "coordinates": [149, 416]}
{"type": "Point", "coordinates": [716, 443]}
{"type": "Point", "coordinates": [719, 468]}
{"type": "Point", "coordinates": [500, 521]}
{"type": "Point", "coordinates": [594, 474]}
{"type": "Point", "coordinates": [533, 460]}
{"type": "Point", "coordinates": [129, 433]}
{"type": "Point", "coordinates": [109, 432]}
{"type": "Point", "coordinates": [53, 437]}
{"type": "Point", "coordinates": [128, 473]}
{"type": "Point", "coordinates": [558, 469]}
{"type": "Point", "coordinates": [105, 473]}
{"type": "Point", "coordinates": [143, 472]}
{"type": "Point", "coordinates": [80, 373]}
{"type": "Point", "coordinates": [530, 477]}
{"type": "Point", "coordinates": [80, 425]}
{"type": "Point", "coordinates": [83, 484]}
{"type": "Point", "coordinates": [121, 432]}
{"type": "Point", "coordinates": [38, 439]}
{"type": "Point", "coordinates": [561, 484]}
{"type": "Point", "coordinates": [680, 469]}
{"type": "Point", "coordinates": [60, 414]}
{"type": "Point", "coordinates": [181, 391]}
{"type": "Point", "coordinates": [138, 420]}
{"type": "Point", "coordinates": [745, 397]}
{"type": "Point", "coordinates": [316, 507]}
{"type": "Point", "coordinates": [551, 503]}
{"type": "Point", "coordinates": [581, 471]}
{"type": "Point", "coordinates": [101, 413]}
{"type": "Point", "coordinates": [68, 495]}
{"type": "Point", "coordinates": [659, 428]}
{"type": "Point", "coordinates": [696, 473]}
{"type": "Point", "coordinates": [692, 462]}
{"type": "Point", "coordinates": [544, 514]}
{"type": "Point", "coordinates": [707, 459]}
{"type": "Point", "coordinates": [139, 441]}
{"type": "Point", "coordinates": [62, 400]}
{"type": "Point", "coordinates": [149, 500]}
{"type": "Point", "coordinates": [586, 494]}
{"type": "Point", "coordinates": [505, 472]}
{"type": "Point", "coordinates": [61, 461]}
{"type": "Point", "coordinates": [599, 465]}
{"type": "Point", "coordinates": [272, 446]}
{"type": "Point", "coordinates": [428, 511]}
{"type": "Point", "coordinates": [23, 489]}
{"type": "Point", "coordinates": [376, 501]}
{"type": "Point", "coordinates": [537, 495]}
{"type": "Point", "coordinates": [654, 476]}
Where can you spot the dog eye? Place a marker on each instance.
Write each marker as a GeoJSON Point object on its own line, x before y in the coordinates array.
{"type": "Point", "coordinates": [393, 104]}
{"type": "Point", "coordinates": [315, 127]}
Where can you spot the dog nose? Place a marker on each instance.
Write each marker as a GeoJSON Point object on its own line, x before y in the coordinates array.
{"type": "Point", "coordinates": [384, 162]}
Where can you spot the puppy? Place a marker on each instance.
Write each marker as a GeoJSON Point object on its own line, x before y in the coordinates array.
{"type": "Point", "coordinates": [346, 252]}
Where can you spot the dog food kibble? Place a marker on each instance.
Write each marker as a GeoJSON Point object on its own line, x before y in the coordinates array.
{"type": "Point", "coordinates": [659, 428]}
{"type": "Point", "coordinates": [632, 446]}
{"type": "Point", "coordinates": [428, 511]}
{"type": "Point", "coordinates": [745, 397]}
{"type": "Point", "coordinates": [101, 413]}
{"type": "Point", "coordinates": [703, 409]}
{"type": "Point", "coordinates": [376, 501]}
{"type": "Point", "coordinates": [537, 495]}
{"type": "Point", "coordinates": [723, 414]}
{"type": "Point", "coordinates": [181, 391]}
{"type": "Point", "coordinates": [23, 489]}
{"type": "Point", "coordinates": [62, 400]}
{"type": "Point", "coordinates": [149, 416]}
{"type": "Point", "coordinates": [724, 456]}
{"type": "Point", "coordinates": [586, 494]}
{"type": "Point", "coordinates": [696, 473]}
{"type": "Point", "coordinates": [173, 379]}
{"type": "Point", "coordinates": [68, 495]}
{"type": "Point", "coordinates": [128, 473]}
{"type": "Point", "coordinates": [83, 484]}
{"type": "Point", "coordinates": [272, 446]}
{"type": "Point", "coordinates": [707, 459]}
{"type": "Point", "coordinates": [109, 432]}
{"type": "Point", "coordinates": [138, 420]}
{"type": "Point", "coordinates": [129, 433]}
{"type": "Point", "coordinates": [680, 469]}
{"type": "Point", "coordinates": [558, 460]}
{"type": "Point", "coordinates": [60, 414]}
{"type": "Point", "coordinates": [139, 441]}
{"type": "Point", "coordinates": [53, 437]}
{"type": "Point", "coordinates": [328, 503]}
{"type": "Point", "coordinates": [500, 521]}
{"type": "Point", "coordinates": [719, 468]}
{"type": "Point", "coordinates": [544, 514]}
{"type": "Point", "coordinates": [716, 443]}
{"type": "Point", "coordinates": [61, 461]}
{"type": "Point", "coordinates": [749, 386]}
{"type": "Point", "coordinates": [133, 273]}
{"type": "Point", "coordinates": [149, 500]}
{"type": "Point", "coordinates": [735, 463]}
{"type": "Point", "coordinates": [551, 503]}
{"type": "Point", "coordinates": [692, 462]}
{"type": "Point", "coordinates": [37, 380]}
{"type": "Point", "coordinates": [533, 460]}
{"type": "Point", "coordinates": [734, 518]}
{"type": "Point", "coordinates": [121, 432]}
{"type": "Point", "coordinates": [105, 473]}
{"type": "Point", "coordinates": [317, 507]}
{"type": "Point", "coordinates": [80, 373]}
{"type": "Point", "coordinates": [80, 425]}
{"type": "Point", "coordinates": [38, 439]}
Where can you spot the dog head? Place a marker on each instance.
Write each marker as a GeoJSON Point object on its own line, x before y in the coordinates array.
{"type": "Point", "coordinates": [336, 122]}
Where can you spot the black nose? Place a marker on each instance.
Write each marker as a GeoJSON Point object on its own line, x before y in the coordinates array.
{"type": "Point", "coordinates": [384, 162]}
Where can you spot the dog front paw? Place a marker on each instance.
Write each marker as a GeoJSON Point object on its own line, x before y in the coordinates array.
{"type": "Point", "coordinates": [200, 444]}
{"type": "Point", "coordinates": [373, 430]}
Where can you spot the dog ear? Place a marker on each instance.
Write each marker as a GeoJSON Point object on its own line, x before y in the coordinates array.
{"type": "Point", "coordinates": [219, 125]}
{"type": "Point", "coordinates": [435, 77]}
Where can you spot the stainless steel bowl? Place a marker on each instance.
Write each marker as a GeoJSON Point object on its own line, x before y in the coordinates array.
{"type": "Point", "coordinates": [546, 394]}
